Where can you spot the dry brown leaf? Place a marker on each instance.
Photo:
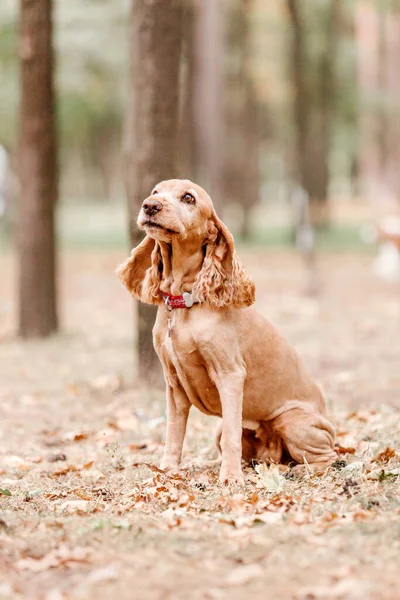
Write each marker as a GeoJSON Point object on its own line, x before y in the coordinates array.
{"type": "Point", "coordinates": [345, 450]}
{"type": "Point", "coordinates": [385, 456]}
{"type": "Point", "coordinates": [62, 556]}
{"type": "Point", "coordinates": [65, 470]}
{"type": "Point", "coordinates": [149, 466]}
{"type": "Point", "coordinates": [363, 515]}
{"type": "Point", "coordinates": [82, 495]}
{"type": "Point", "coordinates": [172, 518]}
{"type": "Point", "coordinates": [76, 436]}
{"type": "Point", "coordinates": [138, 446]}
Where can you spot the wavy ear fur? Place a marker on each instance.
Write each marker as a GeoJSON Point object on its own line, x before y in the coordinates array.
{"type": "Point", "coordinates": [222, 282]}
{"type": "Point", "coordinates": [141, 273]}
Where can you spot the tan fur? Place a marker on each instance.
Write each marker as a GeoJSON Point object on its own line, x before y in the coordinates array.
{"type": "Point", "coordinates": [221, 356]}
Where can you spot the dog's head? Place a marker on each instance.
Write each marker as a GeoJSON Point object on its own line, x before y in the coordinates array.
{"type": "Point", "coordinates": [181, 212]}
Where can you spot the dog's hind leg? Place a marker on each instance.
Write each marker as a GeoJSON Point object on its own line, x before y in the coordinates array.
{"type": "Point", "coordinates": [308, 436]}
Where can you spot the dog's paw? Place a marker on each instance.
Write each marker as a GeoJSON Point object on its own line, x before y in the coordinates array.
{"type": "Point", "coordinates": [231, 477]}
{"type": "Point", "coordinates": [169, 465]}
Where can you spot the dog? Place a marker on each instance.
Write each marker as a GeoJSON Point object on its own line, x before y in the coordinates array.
{"type": "Point", "coordinates": [218, 354]}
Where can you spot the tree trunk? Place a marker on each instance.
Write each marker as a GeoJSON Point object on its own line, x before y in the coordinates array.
{"type": "Point", "coordinates": [327, 108]}
{"type": "Point", "coordinates": [187, 158]}
{"type": "Point", "coordinates": [248, 120]}
{"type": "Point", "coordinates": [301, 107]}
{"type": "Point", "coordinates": [383, 117]}
{"type": "Point", "coordinates": [37, 172]}
{"type": "Point", "coordinates": [156, 53]}
{"type": "Point", "coordinates": [208, 95]}
{"type": "Point", "coordinates": [313, 108]}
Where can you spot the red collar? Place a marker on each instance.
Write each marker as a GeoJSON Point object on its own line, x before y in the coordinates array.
{"type": "Point", "coordinates": [186, 300]}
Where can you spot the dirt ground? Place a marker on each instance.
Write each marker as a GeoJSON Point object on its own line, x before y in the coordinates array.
{"type": "Point", "coordinates": [85, 513]}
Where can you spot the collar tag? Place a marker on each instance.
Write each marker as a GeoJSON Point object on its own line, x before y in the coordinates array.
{"type": "Point", "coordinates": [186, 300]}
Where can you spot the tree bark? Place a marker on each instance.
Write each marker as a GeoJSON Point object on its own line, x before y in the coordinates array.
{"type": "Point", "coordinates": [242, 154]}
{"type": "Point", "coordinates": [187, 158]}
{"type": "Point", "coordinates": [313, 108]}
{"type": "Point", "coordinates": [154, 115]}
{"type": "Point", "coordinates": [37, 172]}
{"type": "Point", "coordinates": [208, 95]}
{"type": "Point", "coordinates": [383, 117]}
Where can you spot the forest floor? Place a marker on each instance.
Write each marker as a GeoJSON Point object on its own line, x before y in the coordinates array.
{"type": "Point", "coordinates": [85, 513]}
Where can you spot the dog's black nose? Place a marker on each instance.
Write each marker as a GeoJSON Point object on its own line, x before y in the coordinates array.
{"type": "Point", "coordinates": [151, 207]}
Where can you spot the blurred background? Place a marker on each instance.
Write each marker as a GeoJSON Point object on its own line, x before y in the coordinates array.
{"type": "Point", "coordinates": [287, 112]}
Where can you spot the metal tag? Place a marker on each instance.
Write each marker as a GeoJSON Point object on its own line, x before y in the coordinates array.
{"type": "Point", "coordinates": [188, 299]}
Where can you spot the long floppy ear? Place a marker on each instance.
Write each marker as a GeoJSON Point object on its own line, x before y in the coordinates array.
{"type": "Point", "coordinates": [222, 281]}
{"type": "Point", "coordinates": [141, 273]}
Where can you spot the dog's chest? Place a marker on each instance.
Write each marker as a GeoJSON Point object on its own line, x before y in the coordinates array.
{"type": "Point", "coordinates": [179, 349]}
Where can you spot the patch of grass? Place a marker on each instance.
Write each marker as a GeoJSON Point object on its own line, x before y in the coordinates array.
{"type": "Point", "coordinates": [341, 238]}
{"type": "Point", "coordinates": [102, 226]}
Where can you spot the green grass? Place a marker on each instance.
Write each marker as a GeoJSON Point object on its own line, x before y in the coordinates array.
{"type": "Point", "coordinates": [104, 226]}
{"type": "Point", "coordinates": [341, 237]}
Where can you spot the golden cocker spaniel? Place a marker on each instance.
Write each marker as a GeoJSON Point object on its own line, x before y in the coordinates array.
{"type": "Point", "coordinates": [217, 352]}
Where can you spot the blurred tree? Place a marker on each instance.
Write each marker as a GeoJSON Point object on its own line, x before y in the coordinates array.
{"type": "Point", "coordinates": [382, 76]}
{"type": "Point", "coordinates": [37, 168]}
{"type": "Point", "coordinates": [152, 123]}
{"type": "Point", "coordinates": [348, 106]}
{"type": "Point", "coordinates": [188, 146]}
{"type": "Point", "coordinates": [242, 152]}
{"type": "Point", "coordinates": [208, 96]}
{"type": "Point", "coordinates": [313, 78]}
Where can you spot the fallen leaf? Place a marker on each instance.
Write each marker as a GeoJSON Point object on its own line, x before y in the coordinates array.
{"type": "Point", "coordinates": [344, 450]}
{"type": "Point", "coordinates": [385, 456]}
{"type": "Point", "coordinates": [60, 556]}
{"type": "Point", "coordinates": [149, 466]}
{"type": "Point", "coordinates": [74, 506]}
{"type": "Point", "coordinates": [65, 471]}
{"type": "Point", "coordinates": [31, 494]}
{"type": "Point", "coordinates": [362, 515]}
{"type": "Point", "coordinates": [354, 467]}
{"type": "Point", "coordinates": [384, 474]}
{"type": "Point", "coordinates": [5, 492]}
{"type": "Point", "coordinates": [73, 436]}
{"type": "Point", "coordinates": [138, 446]}
{"type": "Point", "coordinates": [82, 495]}
{"type": "Point", "coordinates": [269, 478]}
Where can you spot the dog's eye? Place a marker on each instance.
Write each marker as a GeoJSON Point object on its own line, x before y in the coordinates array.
{"type": "Point", "coordinates": [154, 192]}
{"type": "Point", "coordinates": [188, 198]}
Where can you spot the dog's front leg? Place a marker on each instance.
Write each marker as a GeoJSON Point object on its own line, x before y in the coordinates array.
{"type": "Point", "coordinates": [230, 388]}
{"type": "Point", "coordinates": [177, 415]}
